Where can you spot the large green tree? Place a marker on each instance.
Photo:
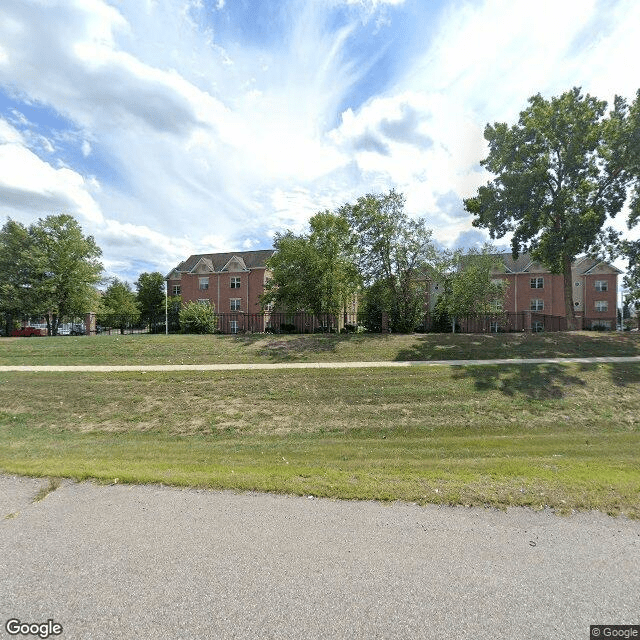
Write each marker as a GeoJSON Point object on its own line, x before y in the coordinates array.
{"type": "Point", "coordinates": [17, 271]}
{"type": "Point", "coordinates": [394, 253]}
{"type": "Point", "coordinates": [314, 271]}
{"type": "Point", "coordinates": [120, 307]}
{"type": "Point", "coordinates": [69, 269]}
{"type": "Point", "coordinates": [151, 298]}
{"type": "Point", "coordinates": [467, 285]}
{"type": "Point", "coordinates": [561, 171]}
{"type": "Point", "coordinates": [50, 268]}
{"type": "Point", "coordinates": [631, 248]}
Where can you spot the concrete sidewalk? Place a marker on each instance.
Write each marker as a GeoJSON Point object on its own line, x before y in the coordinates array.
{"type": "Point", "coordinates": [315, 365]}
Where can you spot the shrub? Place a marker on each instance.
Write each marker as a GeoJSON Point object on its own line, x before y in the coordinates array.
{"type": "Point", "coordinates": [196, 317]}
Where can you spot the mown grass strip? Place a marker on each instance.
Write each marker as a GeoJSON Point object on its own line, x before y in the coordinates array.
{"type": "Point", "coordinates": [217, 349]}
{"type": "Point", "coordinates": [564, 436]}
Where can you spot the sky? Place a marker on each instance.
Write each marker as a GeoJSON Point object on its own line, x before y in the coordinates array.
{"type": "Point", "coordinates": [174, 127]}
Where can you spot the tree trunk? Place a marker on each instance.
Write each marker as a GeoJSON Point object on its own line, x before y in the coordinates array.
{"type": "Point", "coordinates": [568, 293]}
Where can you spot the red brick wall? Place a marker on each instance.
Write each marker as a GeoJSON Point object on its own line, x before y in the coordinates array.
{"type": "Point", "coordinates": [220, 292]}
{"type": "Point", "coordinates": [520, 294]}
{"type": "Point", "coordinates": [591, 296]}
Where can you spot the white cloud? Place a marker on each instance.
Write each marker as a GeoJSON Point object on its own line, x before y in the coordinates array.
{"type": "Point", "coordinates": [9, 133]}
{"type": "Point", "coordinates": [29, 185]}
{"type": "Point", "coordinates": [212, 144]}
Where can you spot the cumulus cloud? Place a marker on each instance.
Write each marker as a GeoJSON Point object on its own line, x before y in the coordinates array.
{"type": "Point", "coordinates": [204, 138]}
{"type": "Point", "coordinates": [29, 185]}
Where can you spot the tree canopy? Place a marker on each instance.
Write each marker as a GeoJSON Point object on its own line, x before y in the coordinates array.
{"type": "Point", "coordinates": [151, 298]}
{"type": "Point", "coordinates": [49, 269]}
{"type": "Point", "coordinates": [394, 254]}
{"type": "Point", "coordinates": [17, 274]}
{"type": "Point", "coordinates": [314, 271]}
{"type": "Point", "coordinates": [120, 307]}
{"type": "Point", "coordinates": [466, 285]}
{"type": "Point", "coordinates": [561, 171]}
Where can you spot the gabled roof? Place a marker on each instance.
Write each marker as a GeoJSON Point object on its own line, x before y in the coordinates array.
{"type": "Point", "coordinates": [204, 264]}
{"type": "Point", "coordinates": [586, 265]}
{"type": "Point", "coordinates": [522, 264]}
{"type": "Point", "coordinates": [525, 264]}
{"type": "Point", "coordinates": [219, 261]}
{"type": "Point", "coordinates": [238, 261]}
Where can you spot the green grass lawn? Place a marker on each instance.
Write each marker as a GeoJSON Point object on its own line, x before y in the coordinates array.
{"type": "Point", "coordinates": [564, 436]}
{"type": "Point", "coordinates": [261, 348]}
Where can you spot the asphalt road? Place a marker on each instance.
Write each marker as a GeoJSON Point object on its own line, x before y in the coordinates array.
{"type": "Point", "coordinates": [143, 562]}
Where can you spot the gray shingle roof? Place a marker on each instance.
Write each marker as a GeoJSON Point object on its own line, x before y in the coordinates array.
{"type": "Point", "coordinates": [524, 264]}
{"type": "Point", "coordinates": [252, 259]}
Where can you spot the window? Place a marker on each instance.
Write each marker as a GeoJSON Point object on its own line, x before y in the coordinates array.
{"type": "Point", "coordinates": [235, 304]}
{"type": "Point", "coordinates": [268, 307]}
{"type": "Point", "coordinates": [203, 284]}
{"type": "Point", "coordinates": [537, 304]}
{"type": "Point", "coordinates": [176, 290]}
{"type": "Point", "coordinates": [601, 324]}
{"type": "Point", "coordinates": [602, 305]}
{"type": "Point", "coordinates": [537, 283]}
{"type": "Point", "coordinates": [496, 306]}
{"type": "Point", "coordinates": [602, 285]}
{"type": "Point", "coordinates": [494, 327]}
{"type": "Point", "coordinates": [233, 326]}
{"type": "Point", "coordinates": [235, 282]}
{"type": "Point", "coordinates": [537, 326]}
{"type": "Point", "coordinates": [203, 301]}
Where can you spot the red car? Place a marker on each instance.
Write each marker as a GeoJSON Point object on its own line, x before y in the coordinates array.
{"type": "Point", "coordinates": [29, 331]}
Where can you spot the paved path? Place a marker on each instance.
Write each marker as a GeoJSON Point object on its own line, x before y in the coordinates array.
{"type": "Point", "coordinates": [140, 562]}
{"type": "Point", "coordinates": [313, 365]}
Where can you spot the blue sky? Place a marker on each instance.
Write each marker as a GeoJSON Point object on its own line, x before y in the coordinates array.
{"type": "Point", "coordinates": [172, 127]}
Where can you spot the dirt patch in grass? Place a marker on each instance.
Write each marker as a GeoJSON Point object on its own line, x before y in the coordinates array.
{"type": "Point", "coordinates": [295, 347]}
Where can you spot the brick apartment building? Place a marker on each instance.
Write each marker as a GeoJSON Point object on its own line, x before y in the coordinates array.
{"type": "Point", "coordinates": [534, 288]}
{"type": "Point", "coordinates": [232, 282]}
{"type": "Point", "coordinates": [534, 291]}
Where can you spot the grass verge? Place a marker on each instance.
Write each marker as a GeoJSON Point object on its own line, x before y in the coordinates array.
{"type": "Point", "coordinates": [564, 436]}
{"type": "Point", "coordinates": [260, 348]}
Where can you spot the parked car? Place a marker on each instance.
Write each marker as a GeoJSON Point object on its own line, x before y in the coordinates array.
{"type": "Point", "coordinates": [27, 332]}
{"type": "Point", "coordinates": [71, 329]}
